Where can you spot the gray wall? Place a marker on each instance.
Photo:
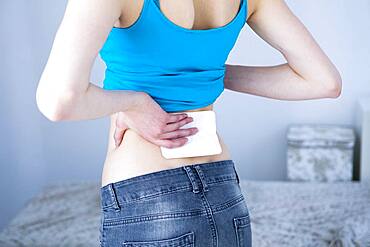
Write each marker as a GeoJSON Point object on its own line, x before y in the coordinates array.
{"type": "Point", "coordinates": [35, 152]}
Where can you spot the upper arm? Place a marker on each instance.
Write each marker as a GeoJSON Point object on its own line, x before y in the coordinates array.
{"type": "Point", "coordinates": [275, 23]}
{"type": "Point", "coordinates": [81, 34]}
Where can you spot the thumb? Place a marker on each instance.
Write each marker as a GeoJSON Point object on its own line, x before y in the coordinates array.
{"type": "Point", "coordinates": [119, 131]}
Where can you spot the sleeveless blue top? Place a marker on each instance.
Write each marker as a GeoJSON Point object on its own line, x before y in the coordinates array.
{"type": "Point", "coordinates": [180, 68]}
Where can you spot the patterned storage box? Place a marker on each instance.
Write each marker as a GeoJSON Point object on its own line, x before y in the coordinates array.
{"type": "Point", "coordinates": [320, 153]}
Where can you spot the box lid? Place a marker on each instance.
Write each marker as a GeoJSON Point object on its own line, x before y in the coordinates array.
{"type": "Point", "coordinates": [321, 135]}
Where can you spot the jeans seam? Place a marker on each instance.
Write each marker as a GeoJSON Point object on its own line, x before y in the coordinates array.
{"type": "Point", "coordinates": [211, 220]}
{"type": "Point", "coordinates": [107, 206]}
{"type": "Point", "coordinates": [222, 182]}
{"type": "Point", "coordinates": [223, 206]}
{"type": "Point", "coordinates": [178, 189]}
{"type": "Point", "coordinates": [151, 217]}
{"type": "Point", "coordinates": [143, 198]}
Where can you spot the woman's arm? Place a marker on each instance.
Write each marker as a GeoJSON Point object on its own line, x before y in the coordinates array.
{"type": "Point", "coordinates": [64, 91]}
{"type": "Point", "coordinates": [308, 73]}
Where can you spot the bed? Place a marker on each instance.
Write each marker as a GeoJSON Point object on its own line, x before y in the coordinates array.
{"type": "Point", "coordinates": [282, 214]}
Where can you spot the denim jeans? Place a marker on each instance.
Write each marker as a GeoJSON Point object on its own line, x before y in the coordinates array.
{"type": "Point", "coordinates": [196, 205]}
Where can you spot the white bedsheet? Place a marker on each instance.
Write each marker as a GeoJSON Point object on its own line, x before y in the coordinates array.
{"type": "Point", "coordinates": [282, 214]}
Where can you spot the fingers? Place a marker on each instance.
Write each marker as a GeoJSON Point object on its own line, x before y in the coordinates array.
{"type": "Point", "coordinates": [176, 117]}
{"type": "Point", "coordinates": [172, 143]}
{"type": "Point", "coordinates": [172, 136]}
{"type": "Point", "coordinates": [178, 133]}
{"type": "Point", "coordinates": [176, 125]}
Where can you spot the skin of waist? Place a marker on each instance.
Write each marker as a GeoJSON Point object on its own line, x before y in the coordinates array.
{"type": "Point", "coordinates": [136, 156]}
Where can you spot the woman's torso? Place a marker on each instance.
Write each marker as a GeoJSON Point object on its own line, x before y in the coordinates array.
{"type": "Point", "coordinates": [136, 156]}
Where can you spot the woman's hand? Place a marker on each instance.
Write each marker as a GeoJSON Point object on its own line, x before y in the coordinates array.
{"type": "Point", "coordinates": [154, 124]}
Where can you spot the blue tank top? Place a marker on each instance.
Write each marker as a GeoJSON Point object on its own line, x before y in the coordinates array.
{"type": "Point", "coordinates": [180, 68]}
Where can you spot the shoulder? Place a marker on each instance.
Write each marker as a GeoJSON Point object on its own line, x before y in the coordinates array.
{"type": "Point", "coordinates": [97, 6]}
{"type": "Point", "coordinates": [274, 7]}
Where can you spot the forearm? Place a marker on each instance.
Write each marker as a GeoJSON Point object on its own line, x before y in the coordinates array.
{"type": "Point", "coordinates": [277, 82]}
{"type": "Point", "coordinates": [94, 103]}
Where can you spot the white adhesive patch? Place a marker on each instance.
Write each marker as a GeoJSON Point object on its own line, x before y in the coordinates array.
{"type": "Point", "coordinates": [204, 142]}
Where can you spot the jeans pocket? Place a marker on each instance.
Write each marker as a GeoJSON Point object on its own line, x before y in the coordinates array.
{"type": "Point", "coordinates": [243, 231]}
{"type": "Point", "coordinates": [184, 240]}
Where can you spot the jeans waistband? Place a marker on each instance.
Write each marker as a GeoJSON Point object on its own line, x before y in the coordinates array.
{"type": "Point", "coordinates": [196, 177]}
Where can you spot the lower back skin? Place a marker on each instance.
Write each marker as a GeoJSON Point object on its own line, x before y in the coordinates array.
{"type": "Point", "coordinates": [136, 156]}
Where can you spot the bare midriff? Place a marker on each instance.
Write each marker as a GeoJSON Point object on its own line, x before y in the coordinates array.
{"type": "Point", "coordinates": [136, 156]}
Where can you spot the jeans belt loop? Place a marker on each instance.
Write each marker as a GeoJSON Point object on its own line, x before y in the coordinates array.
{"type": "Point", "coordinates": [190, 174]}
{"type": "Point", "coordinates": [114, 199]}
{"type": "Point", "coordinates": [201, 177]}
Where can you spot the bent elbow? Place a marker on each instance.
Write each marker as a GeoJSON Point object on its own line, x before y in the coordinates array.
{"type": "Point", "coordinates": [54, 106]}
{"type": "Point", "coordinates": [334, 89]}
{"type": "Point", "coordinates": [335, 92]}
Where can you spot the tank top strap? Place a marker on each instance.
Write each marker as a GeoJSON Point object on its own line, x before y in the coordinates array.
{"type": "Point", "coordinates": [155, 1]}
